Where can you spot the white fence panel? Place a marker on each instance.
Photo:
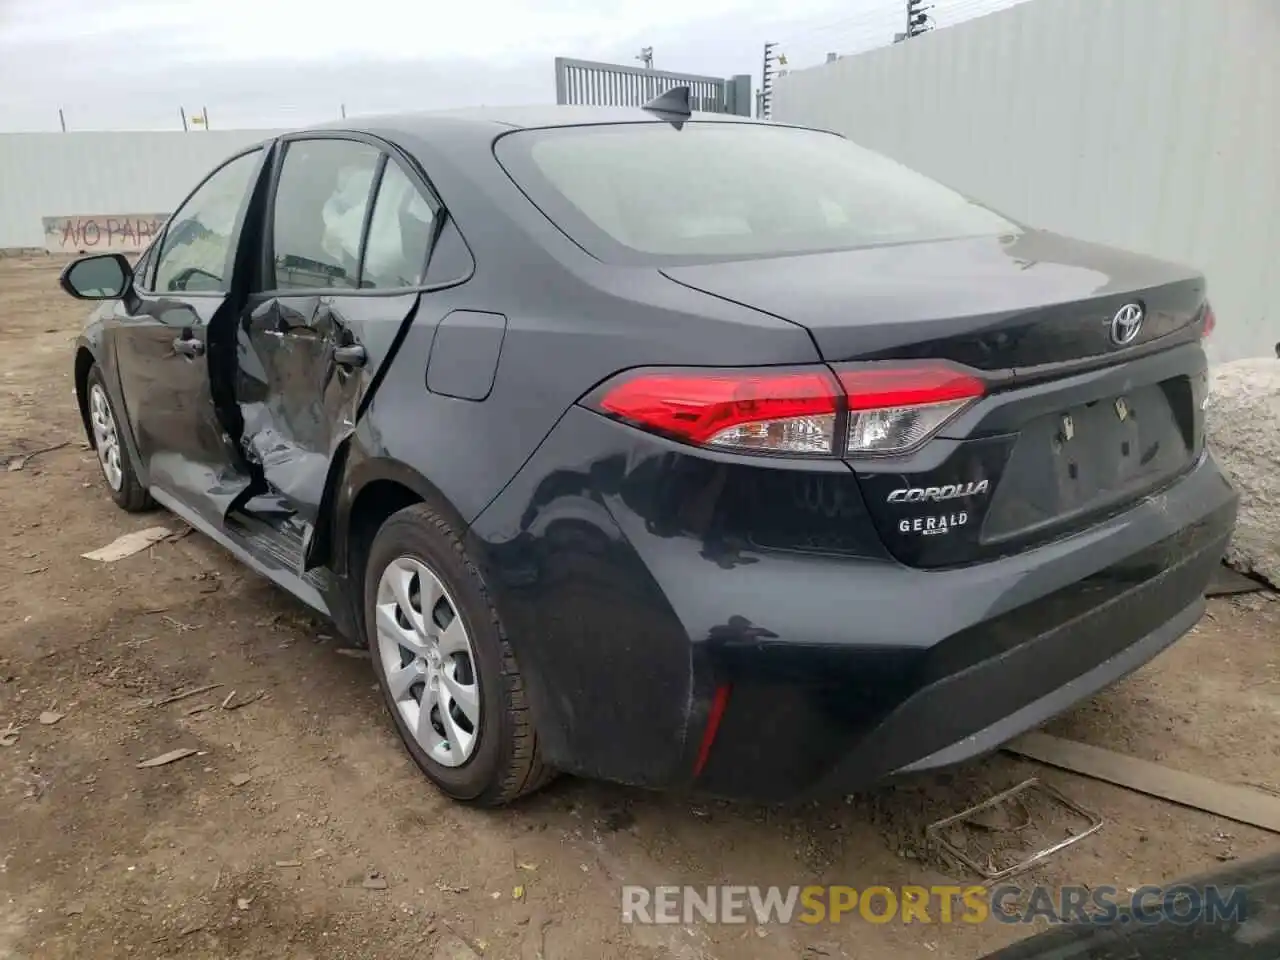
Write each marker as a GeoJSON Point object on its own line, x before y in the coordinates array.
{"type": "Point", "coordinates": [46, 175]}
{"type": "Point", "coordinates": [1148, 124]}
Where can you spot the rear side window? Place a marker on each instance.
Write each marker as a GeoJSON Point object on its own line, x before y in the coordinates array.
{"type": "Point", "coordinates": [399, 233]}
{"type": "Point", "coordinates": [650, 192]}
{"type": "Point", "coordinates": [320, 204]}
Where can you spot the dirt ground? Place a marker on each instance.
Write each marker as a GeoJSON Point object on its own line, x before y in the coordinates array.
{"type": "Point", "coordinates": [300, 829]}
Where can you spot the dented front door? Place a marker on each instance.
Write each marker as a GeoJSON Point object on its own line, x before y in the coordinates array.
{"type": "Point", "coordinates": [305, 365]}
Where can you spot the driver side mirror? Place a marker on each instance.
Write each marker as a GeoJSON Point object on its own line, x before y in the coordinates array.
{"type": "Point", "coordinates": [102, 276]}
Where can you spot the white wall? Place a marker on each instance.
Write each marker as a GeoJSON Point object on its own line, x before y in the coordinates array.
{"type": "Point", "coordinates": [1148, 124]}
{"type": "Point", "coordinates": [54, 174]}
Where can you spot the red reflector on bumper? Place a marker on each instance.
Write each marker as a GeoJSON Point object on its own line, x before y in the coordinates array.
{"type": "Point", "coordinates": [714, 716]}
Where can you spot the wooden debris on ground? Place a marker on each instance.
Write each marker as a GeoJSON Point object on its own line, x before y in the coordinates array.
{"type": "Point", "coordinates": [183, 694]}
{"type": "Point", "coordinates": [126, 545]}
{"type": "Point", "coordinates": [171, 757]}
{"type": "Point", "coordinates": [1242, 804]}
{"type": "Point", "coordinates": [1226, 582]}
{"type": "Point", "coordinates": [231, 704]}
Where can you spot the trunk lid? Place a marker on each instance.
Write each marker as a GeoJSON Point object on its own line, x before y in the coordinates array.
{"type": "Point", "coordinates": [1074, 428]}
{"type": "Point", "coordinates": [993, 303]}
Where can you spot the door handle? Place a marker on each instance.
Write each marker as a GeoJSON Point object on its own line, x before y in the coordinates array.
{"type": "Point", "coordinates": [188, 346]}
{"type": "Point", "coordinates": [350, 356]}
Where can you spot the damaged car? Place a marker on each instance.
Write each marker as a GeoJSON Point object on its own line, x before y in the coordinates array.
{"type": "Point", "coordinates": [679, 450]}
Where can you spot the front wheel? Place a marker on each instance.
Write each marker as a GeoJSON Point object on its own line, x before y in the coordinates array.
{"type": "Point", "coordinates": [113, 456]}
{"type": "Point", "coordinates": [445, 667]}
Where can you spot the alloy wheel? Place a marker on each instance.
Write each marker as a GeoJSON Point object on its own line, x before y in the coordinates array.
{"type": "Point", "coordinates": [428, 660]}
{"type": "Point", "coordinates": [106, 439]}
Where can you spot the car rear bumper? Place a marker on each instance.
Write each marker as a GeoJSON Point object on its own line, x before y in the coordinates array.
{"type": "Point", "coordinates": [973, 690]}
{"type": "Point", "coordinates": [840, 671]}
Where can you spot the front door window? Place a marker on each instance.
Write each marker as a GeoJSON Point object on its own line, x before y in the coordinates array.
{"type": "Point", "coordinates": [195, 255]}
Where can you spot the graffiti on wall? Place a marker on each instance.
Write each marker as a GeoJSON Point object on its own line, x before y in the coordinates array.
{"type": "Point", "coordinates": [114, 233]}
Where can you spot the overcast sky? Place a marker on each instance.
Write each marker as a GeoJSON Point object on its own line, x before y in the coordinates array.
{"type": "Point", "coordinates": [130, 64]}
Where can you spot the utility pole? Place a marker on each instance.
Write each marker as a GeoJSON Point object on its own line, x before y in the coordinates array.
{"type": "Point", "coordinates": [646, 57]}
{"type": "Point", "coordinates": [917, 18]}
{"type": "Point", "coordinates": [766, 81]}
{"type": "Point", "coordinates": [62, 119]}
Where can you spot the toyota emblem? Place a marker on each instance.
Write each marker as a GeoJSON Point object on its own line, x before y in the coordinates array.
{"type": "Point", "coordinates": [1126, 324]}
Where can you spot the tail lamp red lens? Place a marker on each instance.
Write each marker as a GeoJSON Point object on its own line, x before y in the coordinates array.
{"type": "Point", "coordinates": [877, 409]}
{"type": "Point", "coordinates": [1210, 321]}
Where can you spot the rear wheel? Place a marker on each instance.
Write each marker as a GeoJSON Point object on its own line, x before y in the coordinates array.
{"type": "Point", "coordinates": [445, 667]}
{"type": "Point", "coordinates": [113, 457]}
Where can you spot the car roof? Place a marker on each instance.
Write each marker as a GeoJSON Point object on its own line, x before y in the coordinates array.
{"type": "Point", "coordinates": [490, 121]}
{"type": "Point", "coordinates": [455, 151]}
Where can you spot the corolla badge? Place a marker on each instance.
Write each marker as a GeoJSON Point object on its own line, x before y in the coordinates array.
{"type": "Point", "coordinates": [937, 494]}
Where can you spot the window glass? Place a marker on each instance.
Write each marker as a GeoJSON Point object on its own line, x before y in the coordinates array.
{"type": "Point", "coordinates": [319, 213]}
{"type": "Point", "coordinates": [142, 269]}
{"type": "Point", "coordinates": [724, 190]}
{"type": "Point", "coordinates": [399, 233]}
{"type": "Point", "coordinates": [197, 242]}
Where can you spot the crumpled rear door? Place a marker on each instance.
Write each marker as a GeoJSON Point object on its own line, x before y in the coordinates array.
{"type": "Point", "coordinates": [305, 366]}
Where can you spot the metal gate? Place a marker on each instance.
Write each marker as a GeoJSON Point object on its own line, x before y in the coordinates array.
{"type": "Point", "coordinates": [615, 85]}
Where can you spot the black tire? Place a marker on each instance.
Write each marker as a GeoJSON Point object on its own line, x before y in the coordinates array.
{"type": "Point", "coordinates": [505, 763]}
{"type": "Point", "coordinates": [131, 496]}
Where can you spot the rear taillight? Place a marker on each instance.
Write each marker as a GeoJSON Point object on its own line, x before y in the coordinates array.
{"type": "Point", "coordinates": [1210, 321]}
{"type": "Point", "coordinates": [867, 410]}
{"type": "Point", "coordinates": [896, 409]}
{"type": "Point", "coordinates": [767, 412]}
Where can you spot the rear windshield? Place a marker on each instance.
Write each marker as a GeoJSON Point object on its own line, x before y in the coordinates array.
{"type": "Point", "coordinates": [711, 191]}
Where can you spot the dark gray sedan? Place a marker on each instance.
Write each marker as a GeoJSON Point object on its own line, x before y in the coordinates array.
{"type": "Point", "coordinates": [684, 451]}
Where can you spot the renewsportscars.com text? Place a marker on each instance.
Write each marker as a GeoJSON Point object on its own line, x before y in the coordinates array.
{"type": "Point", "coordinates": [1180, 903]}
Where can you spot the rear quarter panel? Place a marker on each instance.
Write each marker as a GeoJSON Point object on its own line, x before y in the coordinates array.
{"type": "Point", "coordinates": [570, 323]}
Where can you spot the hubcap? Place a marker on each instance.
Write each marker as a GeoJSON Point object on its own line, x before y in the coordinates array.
{"type": "Point", "coordinates": [428, 661]}
{"type": "Point", "coordinates": [105, 438]}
